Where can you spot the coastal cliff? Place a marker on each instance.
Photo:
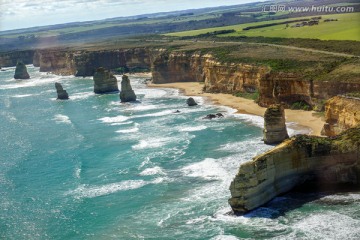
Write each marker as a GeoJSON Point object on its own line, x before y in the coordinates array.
{"type": "Point", "coordinates": [217, 77]}
{"type": "Point", "coordinates": [233, 78]}
{"type": "Point", "coordinates": [85, 63]}
{"type": "Point", "coordinates": [341, 113]}
{"type": "Point", "coordinates": [302, 159]}
{"type": "Point", "coordinates": [268, 85]}
{"type": "Point", "coordinates": [10, 59]}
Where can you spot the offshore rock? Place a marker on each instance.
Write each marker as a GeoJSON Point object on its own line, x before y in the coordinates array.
{"type": "Point", "coordinates": [274, 125]}
{"type": "Point", "coordinates": [126, 93]}
{"type": "Point", "coordinates": [191, 102]}
{"type": "Point", "coordinates": [105, 81]}
{"type": "Point", "coordinates": [341, 113]}
{"type": "Point", "coordinates": [21, 71]}
{"type": "Point", "coordinates": [61, 93]}
{"type": "Point", "coordinates": [318, 161]}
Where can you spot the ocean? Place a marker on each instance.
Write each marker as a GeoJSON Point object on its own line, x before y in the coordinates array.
{"type": "Point", "coordinates": [94, 168]}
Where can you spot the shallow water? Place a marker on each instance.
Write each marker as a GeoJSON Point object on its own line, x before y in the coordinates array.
{"type": "Point", "coordinates": [94, 168]}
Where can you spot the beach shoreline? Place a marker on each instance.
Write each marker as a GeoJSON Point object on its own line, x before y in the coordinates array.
{"type": "Point", "coordinates": [303, 119]}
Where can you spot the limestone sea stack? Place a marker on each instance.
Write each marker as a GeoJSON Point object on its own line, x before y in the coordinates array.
{"type": "Point", "coordinates": [274, 125]}
{"type": "Point", "coordinates": [21, 71]}
{"type": "Point", "coordinates": [126, 93]}
{"type": "Point", "coordinates": [104, 81]}
{"type": "Point", "coordinates": [191, 102]}
{"type": "Point", "coordinates": [320, 162]}
{"type": "Point", "coordinates": [61, 93]}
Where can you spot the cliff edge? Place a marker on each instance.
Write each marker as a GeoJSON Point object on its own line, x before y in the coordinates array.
{"type": "Point", "coordinates": [318, 160]}
{"type": "Point", "coordinates": [341, 113]}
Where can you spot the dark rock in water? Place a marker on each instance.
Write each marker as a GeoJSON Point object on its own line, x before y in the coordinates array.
{"type": "Point", "coordinates": [274, 125]}
{"type": "Point", "coordinates": [126, 93]}
{"type": "Point", "coordinates": [21, 71]}
{"type": "Point", "coordinates": [105, 81]}
{"type": "Point", "coordinates": [61, 93]}
{"type": "Point", "coordinates": [177, 111]}
{"type": "Point", "coordinates": [211, 116]}
{"type": "Point", "coordinates": [191, 102]}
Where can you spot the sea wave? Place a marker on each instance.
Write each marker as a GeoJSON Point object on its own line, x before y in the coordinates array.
{"type": "Point", "coordinates": [152, 143]}
{"type": "Point", "coordinates": [130, 130]}
{"type": "Point", "coordinates": [207, 169]}
{"type": "Point", "coordinates": [152, 171]}
{"type": "Point", "coordinates": [85, 191]}
{"type": "Point", "coordinates": [192, 129]}
{"type": "Point", "coordinates": [59, 118]}
{"type": "Point", "coordinates": [117, 119]}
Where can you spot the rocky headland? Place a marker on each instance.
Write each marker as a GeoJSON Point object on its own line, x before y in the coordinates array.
{"type": "Point", "coordinates": [104, 81]}
{"type": "Point", "coordinates": [21, 71]}
{"type": "Point", "coordinates": [341, 113]}
{"type": "Point", "coordinates": [321, 161]}
{"type": "Point", "coordinates": [61, 93]}
{"type": "Point", "coordinates": [127, 94]}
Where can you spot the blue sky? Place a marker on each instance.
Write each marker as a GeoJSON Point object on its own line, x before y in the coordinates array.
{"type": "Point", "coordinates": [16, 14]}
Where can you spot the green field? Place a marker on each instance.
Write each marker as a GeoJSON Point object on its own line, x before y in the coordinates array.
{"type": "Point", "coordinates": [346, 28]}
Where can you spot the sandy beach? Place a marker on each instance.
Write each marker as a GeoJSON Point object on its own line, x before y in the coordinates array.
{"type": "Point", "coordinates": [302, 118]}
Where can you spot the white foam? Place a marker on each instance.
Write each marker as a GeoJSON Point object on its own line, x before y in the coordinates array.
{"type": "Point", "coordinates": [23, 95]}
{"type": "Point", "coordinates": [131, 130]}
{"type": "Point", "coordinates": [30, 82]}
{"type": "Point", "coordinates": [157, 114]}
{"type": "Point", "coordinates": [152, 143]}
{"type": "Point", "coordinates": [207, 169]}
{"type": "Point", "coordinates": [252, 119]}
{"type": "Point", "coordinates": [59, 118]}
{"type": "Point", "coordinates": [156, 92]}
{"type": "Point", "coordinates": [152, 171]}
{"type": "Point", "coordinates": [117, 119]}
{"type": "Point", "coordinates": [121, 123]}
{"type": "Point", "coordinates": [193, 129]}
{"type": "Point", "coordinates": [224, 237]}
{"type": "Point", "coordinates": [328, 225]}
{"type": "Point", "coordinates": [91, 192]}
{"type": "Point", "coordinates": [83, 95]}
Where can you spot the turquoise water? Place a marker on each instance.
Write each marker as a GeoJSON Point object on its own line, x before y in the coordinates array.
{"type": "Point", "coordinates": [93, 168]}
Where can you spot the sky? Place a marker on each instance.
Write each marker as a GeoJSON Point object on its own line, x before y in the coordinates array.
{"type": "Point", "coordinates": [15, 14]}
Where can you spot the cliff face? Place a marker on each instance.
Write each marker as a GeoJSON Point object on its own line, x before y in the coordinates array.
{"type": "Point", "coordinates": [273, 87]}
{"type": "Point", "coordinates": [55, 61]}
{"type": "Point", "coordinates": [301, 159]}
{"type": "Point", "coordinates": [86, 63]}
{"type": "Point", "coordinates": [341, 113]}
{"type": "Point", "coordinates": [218, 77]}
{"type": "Point", "coordinates": [10, 59]}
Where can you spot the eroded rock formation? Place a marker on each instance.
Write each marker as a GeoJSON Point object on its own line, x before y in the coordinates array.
{"type": "Point", "coordinates": [21, 71]}
{"type": "Point", "coordinates": [191, 102]}
{"type": "Point", "coordinates": [126, 93]}
{"type": "Point", "coordinates": [104, 81]}
{"type": "Point", "coordinates": [272, 86]}
{"type": "Point", "coordinates": [274, 125]}
{"type": "Point", "coordinates": [318, 160]}
{"type": "Point", "coordinates": [341, 113]}
{"type": "Point", "coordinates": [61, 93]}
